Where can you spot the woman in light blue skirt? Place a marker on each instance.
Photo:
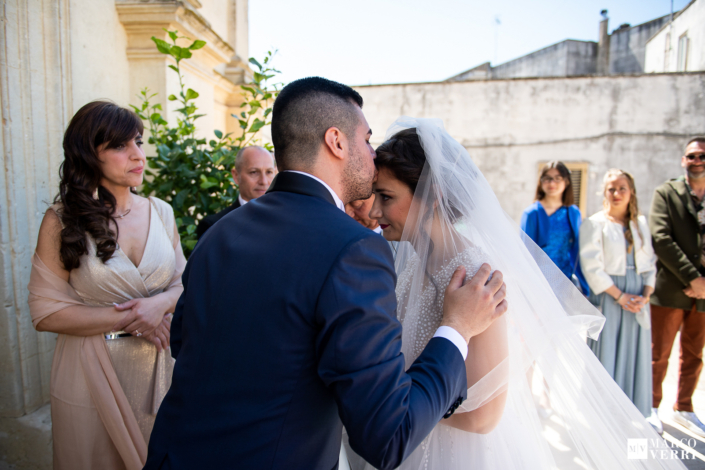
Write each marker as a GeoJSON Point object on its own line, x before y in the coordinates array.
{"type": "Point", "coordinates": [620, 266]}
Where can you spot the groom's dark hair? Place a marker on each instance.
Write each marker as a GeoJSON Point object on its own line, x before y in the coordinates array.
{"type": "Point", "coordinates": [304, 110]}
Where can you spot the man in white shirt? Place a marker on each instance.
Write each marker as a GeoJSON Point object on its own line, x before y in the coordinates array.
{"type": "Point", "coordinates": [253, 172]}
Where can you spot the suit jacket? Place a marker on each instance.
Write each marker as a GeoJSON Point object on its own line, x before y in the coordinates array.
{"type": "Point", "coordinates": [678, 245]}
{"type": "Point", "coordinates": [210, 220]}
{"type": "Point", "coordinates": [307, 342]}
{"type": "Point", "coordinates": [535, 223]}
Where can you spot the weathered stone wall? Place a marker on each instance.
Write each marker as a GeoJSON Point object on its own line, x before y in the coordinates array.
{"type": "Point", "coordinates": [628, 46]}
{"type": "Point", "coordinates": [36, 103]}
{"type": "Point", "coordinates": [638, 123]}
{"type": "Point", "coordinates": [566, 58]}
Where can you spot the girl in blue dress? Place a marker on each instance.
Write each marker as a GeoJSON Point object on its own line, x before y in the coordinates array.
{"type": "Point", "coordinates": [553, 221]}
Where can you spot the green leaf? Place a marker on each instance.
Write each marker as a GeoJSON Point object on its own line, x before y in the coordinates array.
{"type": "Point", "coordinates": [175, 51]}
{"type": "Point", "coordinates": [180, 198]}
{"type": "Point", "coordinates": [174, 68]}
{"type": "Point", "coordinates": [185, 53]}
{"type": "Point", "coordinates": [197, 44]}
{"type": "Point", "coordinates": [173, 35]}
{"type": "Point", "coordinates": [190, 229]}
{"type": "Point", "coordinates": [155, 117]}
{"type": "Point", "coordinates": [191, 94]}
{"type": "Point", "coordinates": [253, 61]}
{"type": "Point", "coordinates": [172, 98]}
{"type": "Point", "coordinates": [162, 45]}
{"type": "Point", "coordinates": [256, 125]}
{"type": "Point", "coordinates": [190, 244]}
{"type": "Point", "coordinates": [267, 111]}
{"type": "Point", "coordinates": [218, 134]}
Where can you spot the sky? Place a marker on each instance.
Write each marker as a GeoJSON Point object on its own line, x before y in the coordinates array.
{"type": "Point", "coordinates": [366, 42]}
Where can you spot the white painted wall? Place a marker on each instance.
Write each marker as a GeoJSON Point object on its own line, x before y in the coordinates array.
{"type": "Point", "coordinates": [662, 49]}
{"type": "Point", "coordinates": [218, 13]}
{"type": "Point", "coordinates": [637, 123]}
{"type": "Point", "coordinates": [98, 55]}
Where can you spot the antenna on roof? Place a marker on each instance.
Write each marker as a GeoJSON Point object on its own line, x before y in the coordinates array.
{"type": "Point", "coordinates": [496, 37]}
{"type": "Point", "coordinates": [604, 14]}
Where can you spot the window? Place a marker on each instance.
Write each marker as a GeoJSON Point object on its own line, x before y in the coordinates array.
{"type": "Point", "coordinates": [683, 42]}
{"type": "Point", "coordinates": [578, 178]}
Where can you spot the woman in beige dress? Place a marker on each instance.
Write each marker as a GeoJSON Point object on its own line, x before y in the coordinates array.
{"type": "Point", "coordinates": [105, 276]}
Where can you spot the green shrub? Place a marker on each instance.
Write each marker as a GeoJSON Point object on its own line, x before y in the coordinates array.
{"type": "Point", "coordinates": [192, 174]}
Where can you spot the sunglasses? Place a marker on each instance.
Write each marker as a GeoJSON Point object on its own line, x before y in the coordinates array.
{"type": "Point", "coordinates": [548, 179]}
{"type": "Point", "coordinates": [692, 157]}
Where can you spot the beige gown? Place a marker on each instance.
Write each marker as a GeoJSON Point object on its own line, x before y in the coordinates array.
{"type": "Point", "coordinates": [105, 393]}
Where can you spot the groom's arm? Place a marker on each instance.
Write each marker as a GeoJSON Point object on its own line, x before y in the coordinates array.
{"type": "Point", "coordinates": [176, 331]}
{"type": "Point", "coordinates": [386, 411]}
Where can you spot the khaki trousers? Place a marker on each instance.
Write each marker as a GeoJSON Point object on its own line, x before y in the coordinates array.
{"type": "Point", "coordinates": [665, 323]}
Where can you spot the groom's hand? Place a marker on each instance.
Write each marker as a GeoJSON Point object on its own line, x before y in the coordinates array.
{"type": "Point", "coordinates": [471, 308]}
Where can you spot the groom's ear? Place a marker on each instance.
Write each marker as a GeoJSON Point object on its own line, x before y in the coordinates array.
{"type": "Point", "coordinates": [335, 143]}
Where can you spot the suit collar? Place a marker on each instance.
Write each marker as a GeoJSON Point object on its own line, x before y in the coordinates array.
{"type": "Point", "coordinates": [297, 183]}
{"type": "Point", "coordinates": [681, 188]}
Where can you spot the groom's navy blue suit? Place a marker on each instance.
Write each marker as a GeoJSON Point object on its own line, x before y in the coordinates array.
{"type": "Point", "coordinates": [287, 327]}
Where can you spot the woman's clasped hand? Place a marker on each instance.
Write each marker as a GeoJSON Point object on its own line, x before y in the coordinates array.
{"type": "Point", "coordinates": [145, 317]}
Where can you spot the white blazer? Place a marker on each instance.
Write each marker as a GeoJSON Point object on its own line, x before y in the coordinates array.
{"type": "Point", "coordinates": [603, 251]}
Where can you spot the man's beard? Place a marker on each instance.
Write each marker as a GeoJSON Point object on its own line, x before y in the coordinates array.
{"type": "Point", "coordinates": [695, 176]}
{"type": "Point", "coordinates": [356, 183]}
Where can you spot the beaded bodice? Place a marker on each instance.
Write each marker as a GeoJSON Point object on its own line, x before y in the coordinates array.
{"type": "Point", "coordinates": [421, 317]}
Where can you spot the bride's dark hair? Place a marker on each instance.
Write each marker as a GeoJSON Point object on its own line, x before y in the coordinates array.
{"type": "Point", "coordinates": [95, 124]}
{"type": "Point", "coordinates": [403, 155]}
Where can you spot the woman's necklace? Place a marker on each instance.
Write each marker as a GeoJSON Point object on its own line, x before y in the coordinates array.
{"type": "Point", "coordinates": [123, 215]}
{"type": "Point", "coordinates": [126, 212]}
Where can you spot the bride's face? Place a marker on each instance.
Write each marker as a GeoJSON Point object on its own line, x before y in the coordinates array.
{"type": "Point", "coordinates": [393, 199]}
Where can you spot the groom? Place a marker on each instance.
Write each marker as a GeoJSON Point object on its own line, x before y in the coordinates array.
{"type": "Point", "coordinates": [313, 343]}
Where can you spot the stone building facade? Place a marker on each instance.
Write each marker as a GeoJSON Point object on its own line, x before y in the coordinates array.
{"type": "Point", "coordinates": [55, 56]}
{"type": "Point", "coordinates": [679, 46]}
{"type": "Point", "coordinates": [622, 52]}
{"type": "Point", "coordinates": [511, 127]}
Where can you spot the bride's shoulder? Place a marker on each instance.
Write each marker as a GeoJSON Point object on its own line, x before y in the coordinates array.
{"type": "Point", "coordinates": [471, 258]}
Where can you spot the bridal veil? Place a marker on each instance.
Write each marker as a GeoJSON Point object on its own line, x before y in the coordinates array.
{"type": "Point", "coordinates": [540, 351]}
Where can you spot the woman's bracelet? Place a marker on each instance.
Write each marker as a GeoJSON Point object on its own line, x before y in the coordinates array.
{"type": "Point", "coordinates": [620, 296]}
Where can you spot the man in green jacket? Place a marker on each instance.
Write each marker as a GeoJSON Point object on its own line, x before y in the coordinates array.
{"type": "Point", "coordinates": [677, 222]}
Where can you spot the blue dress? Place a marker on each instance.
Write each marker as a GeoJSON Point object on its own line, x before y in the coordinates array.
{"type": "Point", "coordinates": [624, 347]}
{"type": "Point", "coordinates": [559, 241]}
{"type": "Point", "coordinates": [537, 225]}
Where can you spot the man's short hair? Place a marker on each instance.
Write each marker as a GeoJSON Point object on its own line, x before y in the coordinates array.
{"type": "Point", "coordinates": [700, 139]}
{"type": "Point", "coordinates": [238, 157]}
{"type": "Point", "coordinates": [304, 110]}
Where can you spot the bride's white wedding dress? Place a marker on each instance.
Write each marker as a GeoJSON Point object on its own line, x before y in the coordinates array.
{"type": "Point", "coordinates": [511, 444]}
{"type": "Point", "coordinates": [586, 421]}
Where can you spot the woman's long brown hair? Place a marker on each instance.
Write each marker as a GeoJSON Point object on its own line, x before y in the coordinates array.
{"type": "Point", "coordinates": [99, 123]}
{"type": "Point", "coordinates": [565, 173]}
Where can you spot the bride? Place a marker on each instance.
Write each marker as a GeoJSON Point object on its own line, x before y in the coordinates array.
{"type": "Point", "coordinates": [431, 197]}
